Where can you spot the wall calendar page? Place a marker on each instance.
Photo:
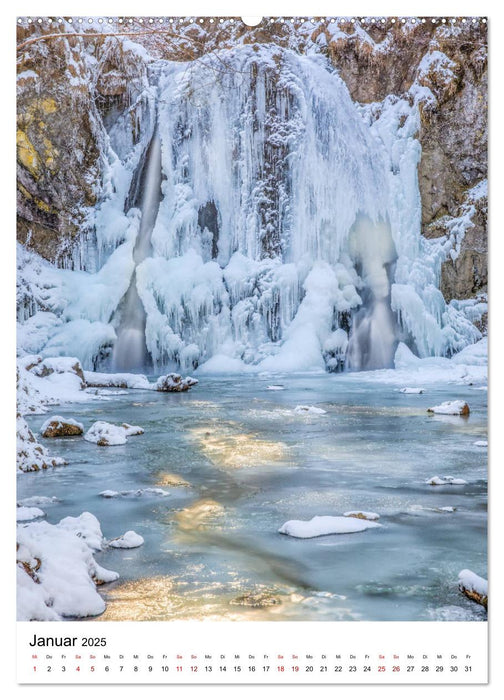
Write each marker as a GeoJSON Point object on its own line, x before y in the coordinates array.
{"type": "Point", "coordinates": [252, 318]}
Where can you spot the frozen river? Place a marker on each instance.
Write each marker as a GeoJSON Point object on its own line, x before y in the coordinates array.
{"type": "Point", "coordinates": [237, 461]}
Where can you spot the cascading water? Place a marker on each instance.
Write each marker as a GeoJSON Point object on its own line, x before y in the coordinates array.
{"type": "Point", "coordinates": [130, 350]}
{"type": "Point", "coordinates": [373, 338]}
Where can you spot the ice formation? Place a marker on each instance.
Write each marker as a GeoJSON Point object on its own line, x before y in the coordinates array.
{"type": "Point", "coordinates": [262, 220]}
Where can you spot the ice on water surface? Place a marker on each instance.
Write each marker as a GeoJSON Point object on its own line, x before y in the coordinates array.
{"type": "Point", "coordinates": [220, 477]}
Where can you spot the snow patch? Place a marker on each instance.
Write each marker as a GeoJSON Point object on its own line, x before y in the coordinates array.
{"type": "Point", "coordinates": [28, 513]}
{"type": "Point", "coordinates": [451, 408]}
{"type": "Point", "coordinates": [129, 540]}
{"type": "Point", "coordinates": [472, 582]}
{"type": "Point", "coordinates": [107, 434]}
{"type": "Point", "coordinates": [325, 525]}
{"type": "Point", "coordinates": [445, 480]}
{"type": "Point", "coordinates": [57, 573]}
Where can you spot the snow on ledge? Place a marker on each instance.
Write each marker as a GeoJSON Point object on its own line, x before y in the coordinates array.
{"type": "Point", "coordinates": [325, 525]}
{"type": "Point", "coordinates": [31, 456]}
{"type": "Point", "coordinates": [122, 380]}
{"type": "Point", "coordinates": [24, 513]}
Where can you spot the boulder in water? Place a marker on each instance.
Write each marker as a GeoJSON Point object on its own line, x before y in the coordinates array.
{"type": "Point", "coordinates": [61, 427]}
{"type": "Point", "coordinates": [451, 408]}
{"type": "Point", "coordinates": [174, 382]}
{"type": "Point", "coordinates": [107, 434]}
{"type": "Point", "coordinates": [474, 587]}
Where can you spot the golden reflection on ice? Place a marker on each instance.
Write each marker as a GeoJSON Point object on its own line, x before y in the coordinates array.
{"type": "Point", "coordinates": [226, 446]}
{"type": "Point", "coordinates": [161, 598]}
{"type": "Point", "coordinates": [166, 479]}
{"type": "Point", "coordinates": [199, 516]}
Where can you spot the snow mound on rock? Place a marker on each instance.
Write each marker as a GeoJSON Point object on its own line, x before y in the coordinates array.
{"type": "Point", "coordinates": [107, 434]}
{"type": "Point", "coordinates": [57, 573]}
{"type": "Point", "coordinates": [325, 525]}
{"type": "Point", "coordinates": [129, 540]}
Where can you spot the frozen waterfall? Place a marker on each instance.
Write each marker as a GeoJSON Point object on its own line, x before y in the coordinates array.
{"type": "Point", "coordinates": [258, 218]}
{"type": "Point", "coordinates": [373, 337]}
{"type": "Point", "coordinates": [130, 350]}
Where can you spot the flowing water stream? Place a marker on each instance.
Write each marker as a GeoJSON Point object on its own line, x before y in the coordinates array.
{"type": "Point", "coordinates": [237, 462]}
{"type": "Point", "coordinates": [130, 350]}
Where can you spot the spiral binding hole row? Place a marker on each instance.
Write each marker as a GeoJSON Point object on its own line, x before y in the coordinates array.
{"type": "Point", "coordinates": [468, 21]}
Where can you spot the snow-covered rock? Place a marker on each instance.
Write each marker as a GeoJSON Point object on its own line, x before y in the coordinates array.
{"type": "Point", "coordinates": [56, 426]}
{"type": "Point", "coordinates": [174, 382]}
{"type": "Point", "coordinates": [451, 408]}
{"type": "Point", "coordinates": [361, 514]}
{"type": "Point", "coordinates": [445, 481]}
{"type": "Point", "coordinates": [57, 573]}
{"type": "Point", "coordinates": [481, 443]}
{"type": "Point", "coordinates": [107, 434]}
{"type": "Point", "coordinates": [86, 526]}
{"type": "Point", "coordinates": [132, 429]}
{"type": "Point", "coordinates": [275, 387]}
{"type": "Point", "coordinates": [315, 410]}
{"type": "Point", "coordinates": [24, 513]}
{"type": "Point", "coordinates": [41, 383]}
{"type": "Point", "coordinates": [129, 540]}
{"type": "Point", "coordinates": [473, 586]}
{"type": "Point", "coordinates": [31, 456]}
{"type": "Point", "coordinates": [122, 380]}
{"type": "Point", "coordinates": [325, 525]}
{"type": "Point", "coordinates": [58, 365]}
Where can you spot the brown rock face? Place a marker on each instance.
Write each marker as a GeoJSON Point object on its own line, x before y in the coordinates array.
{"type": "Point", "coordinates": [62, 104]}
{"type": "Point", "coordinates": [451, 63]}
{"type": "Point", "coordinates": [57, 157]}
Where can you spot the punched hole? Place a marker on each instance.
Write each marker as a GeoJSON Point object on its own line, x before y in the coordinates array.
{"type": "Point", "coordinates": [251, 21]}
